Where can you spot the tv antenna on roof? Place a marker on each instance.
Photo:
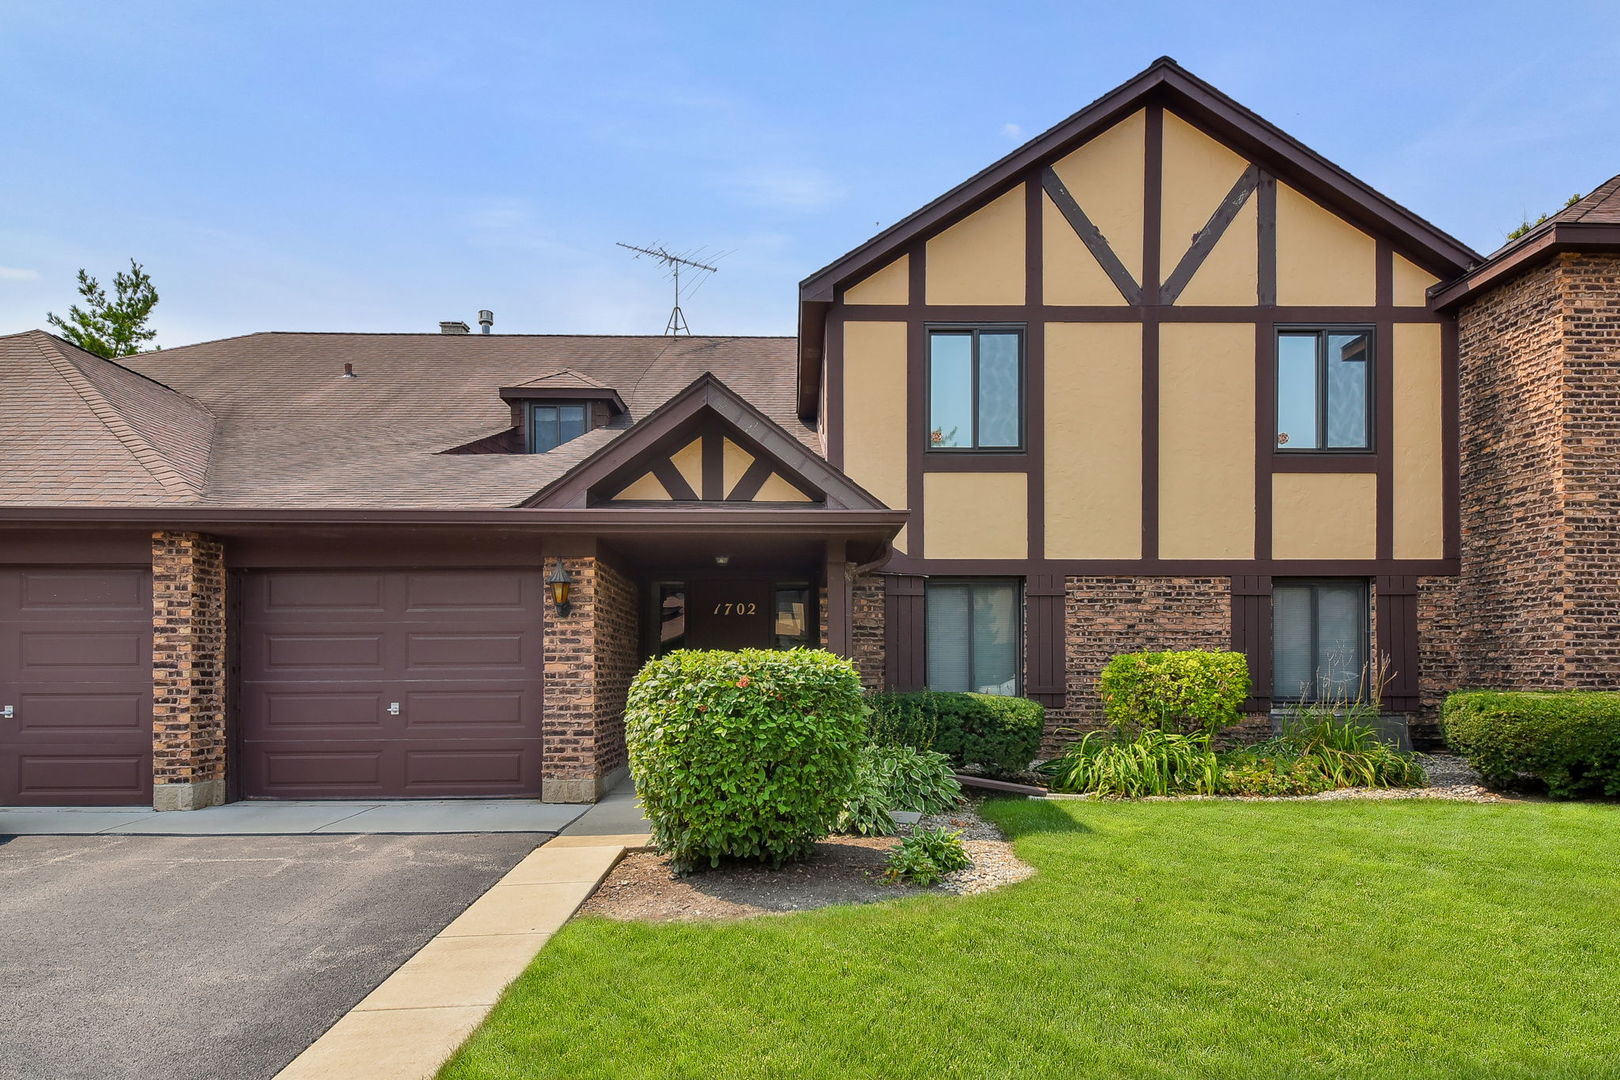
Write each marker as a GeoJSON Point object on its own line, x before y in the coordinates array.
{"type": "Point", "coordinates": [677, 320]}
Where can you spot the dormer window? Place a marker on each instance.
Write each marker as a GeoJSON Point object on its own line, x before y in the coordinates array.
{"type": "Point", "coordinates": [552, 423]}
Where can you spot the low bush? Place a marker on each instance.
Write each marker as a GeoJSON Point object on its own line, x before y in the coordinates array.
{"type": "Point", "coordinates": [926, 856]}
{"type": "Point", "coordinates": [1152, 762]}
{"type": "Point", "coordinates": [1184, 691]}
{"type": "Point", "coordinates": [1570, 741]}
{"type": "Point", "coordinates": [868, 810]}
{"type": "Point", "coordinates": [998, 734]}
{"type": "Point", "coordinates": [747, 754]}
{"type": "Point", "coordinates": [894, 777]}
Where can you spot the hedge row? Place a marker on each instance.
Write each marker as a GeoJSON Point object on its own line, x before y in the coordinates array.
{"type": "Point", "coordinates": [988, 731]}
{"type": "Point", "coordinates": [1568, 740]}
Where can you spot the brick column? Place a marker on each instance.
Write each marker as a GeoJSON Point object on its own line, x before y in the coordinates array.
{"type": "Point", "coordinates": [591, 655]}
{"type": "Point", "coordinates": [188, 671]}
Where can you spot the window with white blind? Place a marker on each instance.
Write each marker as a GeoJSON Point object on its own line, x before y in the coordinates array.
{"type": "Point", "coordinates": [973, 633]}
{"type": "Point", "coordinates": [1319, 633]}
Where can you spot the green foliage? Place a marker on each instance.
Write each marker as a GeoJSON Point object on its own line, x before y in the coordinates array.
{"type": "Point", "coordinates": [115, 327]}
{"type": "Point", "coordinates": [996, 733]}
{"type": "Point", "coordinates": [1183, 691]}
{"type": "Point", "coordinates": [868, 811]}
{"type": "Point", "coordinates": [1570, 741]}
{"type": "Point", "coordinates": [897, 778]}
{"type": "Point", "coordinates": [1526, 225]}
{"type": "Point", "coordinates": [926, 856]}
{"type": "Point", "coordinates": [746, 754]}
{"type": "Point", "coordinates": [1152, 762]}
{"type": "Point", "coordinates": [1319, 749]}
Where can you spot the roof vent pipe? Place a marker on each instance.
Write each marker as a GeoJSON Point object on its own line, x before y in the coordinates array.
{"type": "Point", "coordinates": [486, 319]}
{"type": "Point", "coordinates": [348, 372]}
{"type": "Point", "coordinates": [456, 327]}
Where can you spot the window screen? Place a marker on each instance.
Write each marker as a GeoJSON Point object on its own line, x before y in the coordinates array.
{"type": "Point", "coordinates": [1319, 640]}
{"type": "Point", "coordinates": [552, 425]}
{"type": "Point", "coordinates": [973, 633]}
{"type": "Point", "coordinates": [1324, 382]}
{"type": "Point", "coordinates": [975, 389]}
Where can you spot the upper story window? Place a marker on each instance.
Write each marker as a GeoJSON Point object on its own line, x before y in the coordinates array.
{"type": "Point", "coordinates": [975, 388]}
{"type": "Point", "coordinates": [1324, 389]}
{"type": "Point", "coordinates": [552, 423]}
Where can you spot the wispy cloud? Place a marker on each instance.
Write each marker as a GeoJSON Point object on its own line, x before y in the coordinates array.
{"type": "Point", "coordinates": [785, 187]}
{"type": "Point", "coordinates": [14, 273]}
{"type": "Point", "coordinates": [1012, 132]}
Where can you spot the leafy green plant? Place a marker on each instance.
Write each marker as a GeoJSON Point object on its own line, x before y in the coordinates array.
{"type": "Point", "coordinates": [998, 734]}
{"type": "Point", "coordinates": [926, 856]}
{"type": "Point", "coordinates": [1570, 741]}
{"type": "Point", "coordinates": [897, 778]}
{"type": "Point", "coordinates": [1321, 747]}
{"type": "Point", "coordinates": [1184, 691]}
{"type": "Point", "coordinates": [868, 811]}
{"type": "Point", "coordinates": [747, 754]}
{"type": "Point", "coordinates": [1151, 762]}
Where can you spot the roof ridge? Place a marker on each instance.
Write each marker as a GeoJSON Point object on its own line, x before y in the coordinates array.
{"type": "Point", "coordinates": [87, 354]}
{"type": "Point", "coordinates": [147, 456]}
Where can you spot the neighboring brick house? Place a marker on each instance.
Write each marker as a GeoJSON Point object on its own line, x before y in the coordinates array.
{"type": "Point", "coordinates": [1161, 378]}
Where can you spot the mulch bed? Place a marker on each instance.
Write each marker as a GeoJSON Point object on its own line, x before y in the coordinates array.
{"type": "Point", "coordinates": [843, 870]}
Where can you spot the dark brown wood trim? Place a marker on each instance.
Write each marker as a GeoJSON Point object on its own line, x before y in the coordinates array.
{"type": "Point", "coordinates": [673, 481]}
{"type": "Point", "coordinates": [1395, 599]}
{"type": "Point", "coordinates": [1091, 236]}
{"type": "Point", "coordinates": [1251, 635]}
{"type": "Point", "coordinates": [233, 684]}
{"type": "Point", "coordinates": [1535, 246]}
{"type": "Point", "coordinates": [1265, 433]}
{"type": "Point", "coordinates": [1034, 373]}
{"type": "Point", "coordinates": [714, 482]}
{"type": "Point", "coordinates": [1384, 399]}
{"type": "Point", "coordinates": [564, 393]}
{"type": "Point", "coordinates": [1045, 640]}
{"type": "Point", "coordinates": [1206, 239]}
{"type": "Point", "coordinates": [906, 564]}
{"type": "Point", "coordinates": [752, 479]}
{"type": "Point", "coordinates": [834, 420]}
{"type": "Point", "coordinates": [976, 462]}
{"type": "Point", "coordinates": [839, 638]}
{"type": "Point", "coordinates": [1152, 223]}
{"type": "Point", "coordinates": [1323, 463]}
{"type": "Point", "coordinates": [1116, 313]}
{"type": "Point", "coordinates": [1266, 217]}
{"type": "Point", "coordinates": [904, 626]}
{"type": "Point", "coordinates": [916, 397]}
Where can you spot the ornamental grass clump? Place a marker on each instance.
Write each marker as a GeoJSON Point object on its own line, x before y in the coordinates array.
{"type": "Point", "coordinates": [1152, 762]}
{"type": "Point", "coordinates": [744, 755]}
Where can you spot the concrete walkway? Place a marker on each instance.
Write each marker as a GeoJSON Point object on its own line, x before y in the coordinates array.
{"type": "Point", "coordinates": [422, 1013]}
{"type": "Point", "coordinates": [412, 816]}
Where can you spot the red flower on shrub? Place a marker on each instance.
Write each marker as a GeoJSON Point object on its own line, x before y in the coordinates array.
{"type": "Point", "coordinates": [743, 682]}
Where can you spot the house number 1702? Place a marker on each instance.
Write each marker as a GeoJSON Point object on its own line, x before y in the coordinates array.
{"type": "Point", "coordinates": [736, 609]}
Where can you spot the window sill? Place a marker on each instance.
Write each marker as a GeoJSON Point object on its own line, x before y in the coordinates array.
{"type": "Point", "coordinates": [1305, 461]}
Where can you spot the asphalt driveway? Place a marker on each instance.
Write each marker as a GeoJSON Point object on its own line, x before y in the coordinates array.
{"type": "Point", "coordinates": [220, 957]}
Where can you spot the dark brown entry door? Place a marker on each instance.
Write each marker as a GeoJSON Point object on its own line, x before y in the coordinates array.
{"type": "Point", "coordinates": [368, 683]}
{"type": "Point", "coordinates": [76, 677]}
{"type": "Point", "coordinates": [723, 614]}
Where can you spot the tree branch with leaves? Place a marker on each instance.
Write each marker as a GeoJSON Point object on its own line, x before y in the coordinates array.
{"type": "Point", "coordinates": [115, 327]}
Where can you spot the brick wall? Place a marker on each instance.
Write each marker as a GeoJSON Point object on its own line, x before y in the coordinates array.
{"type": "Point", "coordinates": [188, 671]}
{"type": "Point", "coordinates": [866, 630]}
{"type": "Point", "coordinates": [590, 657]}
{"type": "Point", "coordinates": [1538, 606]}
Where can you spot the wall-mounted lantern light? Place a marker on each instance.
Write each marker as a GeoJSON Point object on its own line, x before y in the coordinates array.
{"type": "Point", "coordinates": [560, 584]}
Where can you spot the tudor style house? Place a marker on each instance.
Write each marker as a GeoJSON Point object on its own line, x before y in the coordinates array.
{"type": "Point", "coordinates": [1162, 377]}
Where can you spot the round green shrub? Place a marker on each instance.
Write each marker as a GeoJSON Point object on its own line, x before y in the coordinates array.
{"type": "Point", "coordinates": [1570, 741]}
{"type": "Point", "coordinates": [746, 754]}
{"type": "Point", "coordinates": [1186, 691]}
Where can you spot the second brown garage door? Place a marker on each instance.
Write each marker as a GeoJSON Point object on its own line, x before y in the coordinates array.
{"type": "Point", "coordinates": [367, 683]}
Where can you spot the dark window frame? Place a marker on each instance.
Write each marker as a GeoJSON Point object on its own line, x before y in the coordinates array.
{"type": "Point", "coordinates": [1321, 332]}
{"type": "Point", "coordinates": [1364, 634]}
{"type": "Point", "coordinates": [1019, 632]}
{"type": "Point", "coordinates": [531, 427]}
{"type": "Point", "coordinates": [973, 330]}
{"type": "Point", "coordinates": [812, 612]}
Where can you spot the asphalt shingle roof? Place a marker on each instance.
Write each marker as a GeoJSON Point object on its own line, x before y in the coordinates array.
{"type": "Point", "coordinates": [268, 420]}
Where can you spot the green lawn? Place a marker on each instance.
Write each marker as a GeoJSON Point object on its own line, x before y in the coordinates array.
{"type": "Point", "coordinates": [1404, 938]}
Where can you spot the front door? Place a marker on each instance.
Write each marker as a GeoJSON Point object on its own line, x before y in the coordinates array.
{"type": "Point", "coordinates": [728, 614]}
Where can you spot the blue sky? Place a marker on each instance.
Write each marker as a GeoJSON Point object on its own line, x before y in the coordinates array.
{"type": "Point", "coordinates": [382, 166]}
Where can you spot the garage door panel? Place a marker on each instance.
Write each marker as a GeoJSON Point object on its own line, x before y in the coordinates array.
{"type": "Point", "coordinates": [85, 591]}
{"type": "Point", "coordinates": [71, 775]}
{"type": "Point", "coordinates": [485, 590]}
{"type": "Point", "coordinates": [309, 650]}
{"type": "Point", "coordinates": [76, 666]}
{"type": "Point", "coordinates": [45, 716]}
{"type": "Point", "coordinates": [460, 650]}
{"type": "Point", "coordinates": [425, 651]}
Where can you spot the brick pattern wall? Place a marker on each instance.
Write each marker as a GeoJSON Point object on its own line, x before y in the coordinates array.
{"type": "Point", "coordinates": [618, 658]}
{"type": "Point", "coordinates": [1108, 615]}
{"type": "Point", "coordinates": [1440, 655]}
{"type": "Point", "coordinates": [188, 668]}
{"type": "Point", "coordinates": [1538, 606]}
{"type": "Point", "coordinates": [590, 658]}
{"type": "Point", "coordinates": [866, 630]}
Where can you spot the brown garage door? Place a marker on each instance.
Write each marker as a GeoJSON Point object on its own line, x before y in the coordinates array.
{"type": "Point", "coordinates": [76, 675]}
{"type": "Point", "coordinates": [363, 683]}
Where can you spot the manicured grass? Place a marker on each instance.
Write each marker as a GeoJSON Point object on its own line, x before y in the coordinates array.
{"type": "Point", "coordinates": [1349, 939]}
